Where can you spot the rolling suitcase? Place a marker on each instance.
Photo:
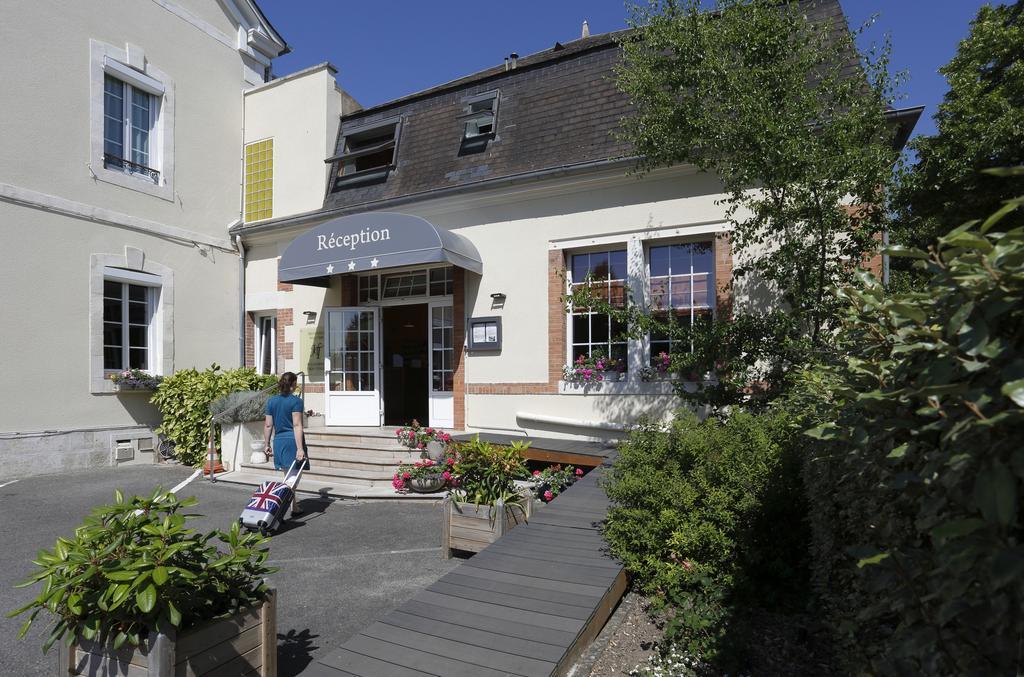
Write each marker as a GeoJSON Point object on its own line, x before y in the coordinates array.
{"type": "Point", "coordinates": [271, 500]}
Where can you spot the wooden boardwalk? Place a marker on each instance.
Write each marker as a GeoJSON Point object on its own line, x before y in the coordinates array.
{"type": "Point", "coordinates": [526, 605]}
{"type": "Point", "coordinates": [551, 449]}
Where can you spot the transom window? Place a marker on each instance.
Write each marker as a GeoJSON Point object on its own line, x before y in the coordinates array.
{"type": "Point", "coordinates": [129, 121]}
{"type": "Point", "coordinates": [598, 333]}
{"type": "Point", "coordinates": [682, 279]}
{"type": "Point", "coordinates": [127, 325]}
{"type": "Point", "coordinates": [423, 282]}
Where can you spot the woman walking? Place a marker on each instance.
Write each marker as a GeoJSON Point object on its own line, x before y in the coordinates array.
{"type": "Point", "coordinates": [284, 421]}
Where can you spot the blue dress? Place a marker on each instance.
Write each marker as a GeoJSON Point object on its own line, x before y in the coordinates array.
{"type": "Point", "coordinates": [281, 408]}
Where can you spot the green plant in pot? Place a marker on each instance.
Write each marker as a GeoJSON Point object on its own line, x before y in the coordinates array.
{"type": "Point", "coordinates": [485, 474]}
{"type": "Point", "coordinates": [134, 569]}
{"type": "Point", "coordinates": [240, 415]}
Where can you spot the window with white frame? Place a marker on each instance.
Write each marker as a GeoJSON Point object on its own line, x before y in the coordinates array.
{"type": "Point", "coordinates": [442, 347]}
{"type": "Point", "coordinates": [594, 333]}
{"type": "Point", "coordinates": [130, 333]}
{"type": "Point", "coordinates": [265, 348]}
{"type": "Point", "coordinates": [129, 120]}
{"type": "Point", "coordinates": [682, 288]}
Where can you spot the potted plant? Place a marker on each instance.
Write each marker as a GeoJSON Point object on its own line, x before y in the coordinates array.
{"type": "Point", "coordinates": [484, 501]}
{"type": "Point", "coordinates": [546, 484]}
{"type": "Point", "coordinates": [240, 415]}
{"type": "Point", "coordinates": [424, 476]}
{"type": "Point", "coordinates": [431, 441]}
{"type": "Point", "coordinates": [594, 369]}
{"type": "Point", "coordinates": [135, 591]}
{"type": "Point", "coordinates": [136, 379]}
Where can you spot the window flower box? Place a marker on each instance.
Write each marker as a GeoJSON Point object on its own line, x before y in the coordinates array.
{"type": "Point", "coordinates": [135, 379]}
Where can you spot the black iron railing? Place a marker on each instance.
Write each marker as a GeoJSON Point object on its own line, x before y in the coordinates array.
{"type": "Point", "coordinates": [129, 167]}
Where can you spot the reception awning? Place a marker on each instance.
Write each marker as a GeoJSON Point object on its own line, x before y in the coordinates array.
{"type": "Point", "coordinates": [373, 241]}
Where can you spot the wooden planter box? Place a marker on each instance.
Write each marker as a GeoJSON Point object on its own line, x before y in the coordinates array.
{"type": "Point", "coordinates": [244, 644]}
{"type": "Point", "coordinates": [473, 527]}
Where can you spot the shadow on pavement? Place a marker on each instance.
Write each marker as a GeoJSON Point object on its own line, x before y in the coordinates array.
{"type": "Point", "coordinates": [294, 651]}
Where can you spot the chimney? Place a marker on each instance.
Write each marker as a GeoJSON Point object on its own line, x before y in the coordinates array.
{"type": "Point", "coordinates": [506, 63]}
{"type": "Point", "coordinates": [586, 29]}
{"type": "Point", "coordinates": [513, 60]}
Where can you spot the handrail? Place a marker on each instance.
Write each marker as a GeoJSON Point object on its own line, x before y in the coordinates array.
{"type": "Point", "coordinates": [213, 421]}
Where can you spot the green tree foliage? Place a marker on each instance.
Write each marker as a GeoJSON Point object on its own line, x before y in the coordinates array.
{"type": "Point", "coordinates": [133, 567]}
{"type": "Point", "coordinates": [184, 399]}
{"type": "Point", "coordinates": [915, 492]}
{"type": "Point", "coordinates": [980, 125]}
{"type": "Point", "coordinates": [708, 516]}
{"type": "Point", "coordinates": [775, 100]}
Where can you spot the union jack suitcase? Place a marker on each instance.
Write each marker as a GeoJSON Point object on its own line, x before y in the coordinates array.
{"type": "Point", "coordinates": [270, 502]}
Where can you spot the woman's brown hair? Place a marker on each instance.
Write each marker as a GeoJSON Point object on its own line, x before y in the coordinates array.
{"type": "Point", "coordinates": [286, 384]}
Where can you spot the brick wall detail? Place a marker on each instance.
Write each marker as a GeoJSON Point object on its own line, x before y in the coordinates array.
{"type": "Point", "coordinates": [723, 275]}
{"type": "Point", "coordinates": [250, 341]}
{"type": "Point", "coordinates": [285, 349]}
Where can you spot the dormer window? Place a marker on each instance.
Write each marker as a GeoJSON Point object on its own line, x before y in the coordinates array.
{"type": "Point", "coordinates": [480, 122]}
{"type": "Point", "coordinates": [369, 152]}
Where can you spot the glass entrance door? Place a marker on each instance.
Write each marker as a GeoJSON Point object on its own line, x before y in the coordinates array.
{"type": "Point", "coordinates": [442, 366]}
{"type": "Point", "coordinates": [352, 367]}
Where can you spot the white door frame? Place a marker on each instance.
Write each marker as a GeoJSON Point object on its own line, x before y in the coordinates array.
{"type": "Point", "coordinates": [441, 404]}
{"type": "Point", "coordinates": [353, 408]}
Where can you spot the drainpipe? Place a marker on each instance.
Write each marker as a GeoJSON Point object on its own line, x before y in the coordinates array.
{"type": "Point", "coordinates": [241, 300]}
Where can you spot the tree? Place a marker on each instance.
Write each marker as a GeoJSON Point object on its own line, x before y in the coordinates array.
{"type": "Point", "coordinates": [775, 100]}
{"type": "Point", "coordinates": [980, 125]}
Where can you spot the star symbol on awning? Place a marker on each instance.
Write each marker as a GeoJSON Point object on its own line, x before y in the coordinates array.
{"type": "Point", "coordinates": [351, 265]}
{"type": "Point", "coordinates": [330, 268]}
{"type": "Point", "coordinates": [374, 262]}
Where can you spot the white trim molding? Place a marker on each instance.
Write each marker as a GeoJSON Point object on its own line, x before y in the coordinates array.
{"type": "Point", "coordinates": [103, 59]}
{"type": "Point", "coordinates": [34, 199]}
{"type": "Point", "coordinates": [163, 319]}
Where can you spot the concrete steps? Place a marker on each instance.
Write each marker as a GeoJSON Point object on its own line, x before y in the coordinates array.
{"type": "Point", "coordinates": [255, 475]}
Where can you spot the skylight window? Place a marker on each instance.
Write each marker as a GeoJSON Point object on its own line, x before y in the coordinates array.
{"type": "Point", "coordinates": [369, 152]}
{"type": "Point", "coordinates": [480, 122]}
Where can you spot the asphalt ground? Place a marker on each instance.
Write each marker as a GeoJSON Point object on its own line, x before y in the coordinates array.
{"type": "Point", "coordinates": [342, 564]}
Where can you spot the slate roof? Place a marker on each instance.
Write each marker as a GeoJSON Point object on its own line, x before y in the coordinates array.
{"type": "Point", "coordinates": [557, 107]}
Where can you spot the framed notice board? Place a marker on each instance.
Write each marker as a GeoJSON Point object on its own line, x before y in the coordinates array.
{"type": "Point", "coordinates": [484, 333]}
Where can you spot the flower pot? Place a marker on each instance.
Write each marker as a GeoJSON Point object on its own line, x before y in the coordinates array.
{"type": "Point", "coordinates": [245, 643]}
{"type": "Point", "coordinates": [435, 450]}
{"type": "Point", "coordinates": [258, 456]}
{"type": "Point", "coordinates": [426, 485]}
{"type": "Point", "coordinates": [472, 527]}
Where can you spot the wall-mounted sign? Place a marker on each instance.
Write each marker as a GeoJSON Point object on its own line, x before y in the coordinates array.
{"type": "Point", "coordinates": [311, 353]}
{"type": "Point", "coordinates": [484, 333]}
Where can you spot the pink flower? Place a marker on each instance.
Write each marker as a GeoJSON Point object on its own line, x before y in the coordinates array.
{"type": "Point", "coordinates": [446, 475]}
{"type": "Point", "coordinates": [430, 431]}
{"type": "Point", "coordinates": [406, 476]}
{"type": "Point", "coordinates": [422, 445]}
{"type": "Point", "coordinates": [419, 464]}
{"type": "Point", "coordinates": [548, 495]}
{"type": "Point", "coordinates": [578, 472]}
{"type": "Point", "coordinates": [600, 377]}
{"type": "Point", "coordinates": [450, 460]}
{"type": "Point", "coordinates": [536, 473]}
{"type": "Point", "coordinates": [398, 483]}
{"type": "Point", "coordinates": [398, 432]}
{"type": "Point", "coordinates": [427, 463]}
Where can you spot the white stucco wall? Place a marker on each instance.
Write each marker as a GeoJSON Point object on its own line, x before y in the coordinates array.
{"type": "Point", "coordinates": [301, 112]}
{"type": "Point", "coordinates": [56, 217]}
{"type": "Point", "coordinates": [514, 229]}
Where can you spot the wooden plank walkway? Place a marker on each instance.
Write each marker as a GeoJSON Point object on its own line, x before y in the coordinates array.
{"type": "Point", "coordinates": [526, 605]}
{"type": "Point", "coordinates": [551, 449]}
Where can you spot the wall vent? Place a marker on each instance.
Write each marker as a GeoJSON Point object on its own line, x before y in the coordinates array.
{"type": "Point", "coordinates": [125, 450]}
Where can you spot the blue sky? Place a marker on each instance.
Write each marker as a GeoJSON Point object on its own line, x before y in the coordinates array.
{"type": "Point", "coordinates": [387, 49]}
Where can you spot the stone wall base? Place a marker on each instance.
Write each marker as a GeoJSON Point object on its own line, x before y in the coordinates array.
{"type": "Point", "coordinates": [64, 451]}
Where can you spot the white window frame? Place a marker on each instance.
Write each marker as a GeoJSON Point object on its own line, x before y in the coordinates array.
{"type": "Point", "coordinates": [131, 67]}
{"type": "Point", "coordinates": [627, 284]}
{"type": "Point", "coordinates": [152, 283]}
{"type": "Point", "coordinates": [648, 294]}
{"type": "Point", "coordinates": [133, 267]}
{"type": "Point", "coordinates": [128, 91]}
{"type": "Point", "coordinates": [260, 341]}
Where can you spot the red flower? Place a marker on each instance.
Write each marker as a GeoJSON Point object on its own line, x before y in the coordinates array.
{"type": "Point", "coordinates": [548, 495]}
{"type": "Point", "coordinates": [578, 472]}
{"type": "Point", "coordinates": [536, 473]}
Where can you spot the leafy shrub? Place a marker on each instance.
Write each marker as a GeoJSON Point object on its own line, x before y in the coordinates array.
{"type": "Point", "coordinates": [241, 406]}
{"type": "Point", "coordinates": [485, 472]}
{"type": "Point", "coordinates": [708, 514]}
{"type": "Point", "coordinates": [916, 489]}
{"type": "Point", "coordinates": [184, 399]}
{"type": "Point", "coordinates": [133, 567]}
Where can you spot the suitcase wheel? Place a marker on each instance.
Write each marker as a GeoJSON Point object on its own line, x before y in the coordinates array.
{"type": "Point", "coordinates": [263, 532]}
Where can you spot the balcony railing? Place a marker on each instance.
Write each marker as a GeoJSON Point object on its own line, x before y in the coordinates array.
{"type": "Point", "coordinates": [129, 167]}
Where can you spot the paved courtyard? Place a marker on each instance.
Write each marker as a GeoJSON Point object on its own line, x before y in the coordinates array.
{"type": "Point", "coordinates": [342, 565]}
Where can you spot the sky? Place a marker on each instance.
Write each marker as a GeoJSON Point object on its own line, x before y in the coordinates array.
{"type": "Point", "coordinates": [387, 49]}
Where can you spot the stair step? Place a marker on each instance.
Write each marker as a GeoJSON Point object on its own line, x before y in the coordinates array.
{"type": "Point", "coordinates": [396, 451]}
{"type": "Point", "coordinates": [372, 478]}
{"type": "Point", "coordinates": [328, 487]}
{"type": "Point", "coordinates": [355, 441]}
